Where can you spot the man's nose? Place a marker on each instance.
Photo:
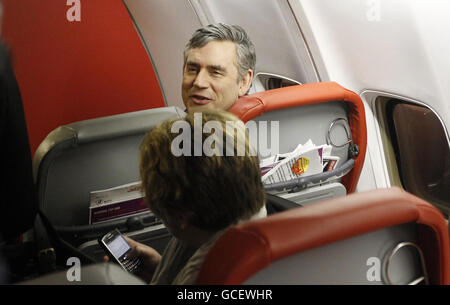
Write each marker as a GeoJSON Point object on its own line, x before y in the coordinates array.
{"type": "Point", "coordinates": [201, 79]}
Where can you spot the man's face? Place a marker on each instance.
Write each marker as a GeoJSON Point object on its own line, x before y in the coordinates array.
{"type": "Point", "coordinates": [210, 77]}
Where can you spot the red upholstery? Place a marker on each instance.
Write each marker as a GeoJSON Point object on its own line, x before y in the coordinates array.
{"type": "Point", "coordinates": [251, 106]}
{"type": "Point", "coordinates": [245, 249]}
{"type": "Point", "coordinates": [73, 71]}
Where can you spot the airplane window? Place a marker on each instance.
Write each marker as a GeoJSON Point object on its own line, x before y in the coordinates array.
{"type": "Point", "coordinates": [275, 82]}
{"type": "Point", "coordinates": [422, 152]}
{"type": "Point", "coordinates": [267, 81]}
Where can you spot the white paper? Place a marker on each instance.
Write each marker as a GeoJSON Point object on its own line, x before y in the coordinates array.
{"type": "Point", "coordinates": [305, 160]}
{"type": "Point", "coordinates": [116, 194]}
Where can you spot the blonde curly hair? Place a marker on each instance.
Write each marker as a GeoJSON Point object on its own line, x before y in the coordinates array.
{"type": "Point", "coordinates": [213, 191]}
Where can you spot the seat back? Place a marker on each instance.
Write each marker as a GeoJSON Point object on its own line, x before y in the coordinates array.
{"type": "Point", "coordinates": [346, 240]}
{"type": "Point", "coordinates": [307, 112]}
{"type": "Point", "coordinates": [91, 155]}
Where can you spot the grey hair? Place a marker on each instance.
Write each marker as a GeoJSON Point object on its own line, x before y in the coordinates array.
{"type": "Point", "coordinates": [246, 55]}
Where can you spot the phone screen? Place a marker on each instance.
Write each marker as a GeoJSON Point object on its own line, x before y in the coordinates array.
{"type": "Point", "coordinates": [118, 246]}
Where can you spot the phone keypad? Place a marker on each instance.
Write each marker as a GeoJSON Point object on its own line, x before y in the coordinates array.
{"type": "Point", "coordinates": [131, 264]}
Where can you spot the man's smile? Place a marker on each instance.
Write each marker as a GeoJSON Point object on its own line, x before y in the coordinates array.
{"type": "Point", "coordinates": [200, 99]}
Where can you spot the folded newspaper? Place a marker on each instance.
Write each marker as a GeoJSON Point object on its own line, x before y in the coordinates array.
{"type": "Point", "coordinates": [305, 160]}
{"type": "Point", "coordinates": [116, 202]}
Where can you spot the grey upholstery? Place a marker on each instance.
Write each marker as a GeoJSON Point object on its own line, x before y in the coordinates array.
{"type": "Point", "coordinates": [296, 126]}
{"type": "Point", "coordinates": [90, 155]}
{"type": "Point", "coordinates": [348, 262]}
{"type": "Point", "coordinates": [299, 124]}
{"type": "Point", "coordinates": [97, 274]}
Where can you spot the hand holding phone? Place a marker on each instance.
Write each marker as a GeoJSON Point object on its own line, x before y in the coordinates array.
{"type": "Point", "coordinates": [118, 249]}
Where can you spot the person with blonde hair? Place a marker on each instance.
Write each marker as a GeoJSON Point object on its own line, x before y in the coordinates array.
{"type": "Point", "coordinates": [196, 196]}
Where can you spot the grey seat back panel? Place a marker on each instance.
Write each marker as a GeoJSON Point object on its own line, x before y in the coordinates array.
{"type": "Point", "coordinates": [92, 155]}
{"type": "Point", "coordinates": [348, 261]}
{"type": "Point", "coordinates": [73, 174]}
{"type": "Point", "coordinates": [315, 194]}
{"type": "Point", "coordinates": [299, 124]}
{"type": "Point", "coordinates": [96, 274]}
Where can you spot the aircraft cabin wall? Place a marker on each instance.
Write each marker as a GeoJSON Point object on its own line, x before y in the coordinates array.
{"type": "Point", "coordinates": [390, 53]}
{"type": "Point", "coordinates": [100, 66]}
{"type": "Point", "coordinates": [76, 70]}
{"type": "Point", "coordinates": [280, 49]}
{"type": "Point", "coordinates": [125, 56]}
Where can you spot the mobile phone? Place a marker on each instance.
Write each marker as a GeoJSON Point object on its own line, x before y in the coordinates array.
{"type": "Point", "coordinates": [118, 250]}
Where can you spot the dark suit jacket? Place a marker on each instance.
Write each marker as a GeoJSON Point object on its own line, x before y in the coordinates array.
{"type": "Point", "coordinates": [18, 200]}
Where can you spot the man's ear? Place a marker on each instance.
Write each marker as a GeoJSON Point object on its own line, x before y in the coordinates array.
{"type": "Point", "coordinates": [245, 83]}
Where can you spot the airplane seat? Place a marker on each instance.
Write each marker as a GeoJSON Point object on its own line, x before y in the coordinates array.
{"type": "Point", "coordinates": [383, 236]}
{"type": "Point", "coordinates": [79, 158]}
{"type": "Point", "coordinates": [316, 111]}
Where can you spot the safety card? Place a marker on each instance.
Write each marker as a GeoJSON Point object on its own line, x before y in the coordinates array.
{"type": "Point", "coordinates": [116, 202]}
